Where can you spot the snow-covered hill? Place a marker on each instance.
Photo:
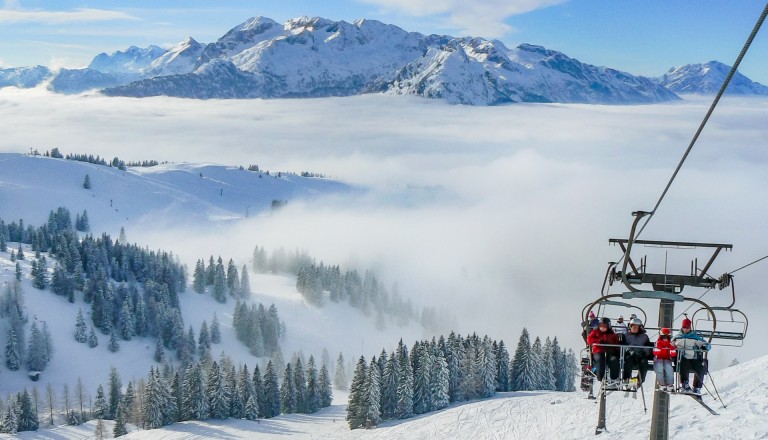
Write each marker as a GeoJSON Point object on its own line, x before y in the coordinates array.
{"type": "Point", "coordinates": [706, 79]}
{"type": "Point", "coordinates": [23, 77]}
{"type": "Point", "coordinates": [151, 197]}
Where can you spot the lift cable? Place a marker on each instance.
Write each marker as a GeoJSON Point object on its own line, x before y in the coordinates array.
{"type": "Point", "coordinates": [709, 113]}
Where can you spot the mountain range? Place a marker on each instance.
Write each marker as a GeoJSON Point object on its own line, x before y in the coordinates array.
{"type": "Point", "coordinates": [317, 57]}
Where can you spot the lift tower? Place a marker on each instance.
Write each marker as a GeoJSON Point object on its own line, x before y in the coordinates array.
{"type": "Point", "coordinates": [668, 289]}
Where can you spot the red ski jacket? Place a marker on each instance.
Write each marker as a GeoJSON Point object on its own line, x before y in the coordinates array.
{"type": "Point", "coordinates": [607, 337]}
{"type": "Point", "coordinates": [665, 349]}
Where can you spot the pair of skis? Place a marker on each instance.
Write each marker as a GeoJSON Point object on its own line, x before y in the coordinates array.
{"type": "Point", "coordinates": [695, 396]}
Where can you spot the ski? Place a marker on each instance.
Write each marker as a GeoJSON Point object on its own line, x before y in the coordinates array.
{"type": "Point", "coordinates": [698, 399]}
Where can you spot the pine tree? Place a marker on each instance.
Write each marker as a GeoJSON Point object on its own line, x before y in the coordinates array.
{"type": "Point", "coordinates": [572, 369]}
{"type": "Point", "coordinates": [10, 420]}
{"type": "Point", "coordinates": [548, 366]}
{"type": "Point", "coordinates": [219, 285]}
{"type": "Point", "coordinates": [18, 271]}
{"type": "Point", "coordinates": [300, 387]}
{"type": "Point", "coordinates": [98, 432]}
{"type": "Point", "coordinates": [80, 334]}
{"type": "Point", "coordinates": [114, 345]}
{"type": "Point", "coordinates": [389, 380]}
{"type": "Point", "coordinates": [27, 413]}
{"type": "Point", "coordinates": [314, 393]}
{"type": "Point", "coordinates": [440, 382]}
{"type": "Point", "coordinates": [340, 379]}
{"type": "Point", "coordinates": [12, 354]}
{"type": "Point", "coordinates": [204, 342]}
{"type": "Point", "coordinates": [325, 387]}
{"type": "Point", "coordinates": [218, 403]}
{"type": "Point", "coordinates": [20, 253]}
{"type": "Point", "coordinates": [538, 373]}
{"type": "Point", "coordinates": [245, 284]}
{"type": "Point", "coordinates": [159, 356]}
{"type": "Point", "coordinates": [422, 390]}
{"type": "Point", "coordinates": [215, 330]}
{"type": "Point", "coordinates": [127, 321]}
{"type": "Point", "coordinates": [99, 404]}
{"type": "Point", "coordinates": [115, 387]}
{"type": "Point", "coordinates": [372, 398]}
{"type": "Point", "coordinates": [251, 409]}
{"type": "Point", "coordinates": [120, 429]}
{"type": "Point", "coordinates": [522, 374]}
{"type": "Point", "coordinates": [233, 281]}
{"type": "Point", "coordinates": [37, 357]}
{"type": "Point", "coordinates": [404, 408]}
{"type": "Point", "coordinates": [93, 341]}
{"type": "Point", "coordinates": [356, 413]}
{"type": "Point", "coordinates": [502, 368]}
{"type": "Point", "coordinates": [272, 403]}
{"type": "Point", "coordinates": [558, 365]}
{"type": "Point", "coordinates": [258, 390]}
{"type": "Point", "coordinates": [288, 391]}
{"type": "Point", "coordinates": [155, 402]}
{"type": "Point", "coordinates": [195, 403]}
{"type": "Point", "coordinates": [198, 277]}
{"type": "Point", "coordinates": [87, 182]}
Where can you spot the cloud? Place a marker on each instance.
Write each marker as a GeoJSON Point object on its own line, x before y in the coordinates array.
{"type": "Point", "coordinates": [486, 18]}
{"type": "Point", "coordinates": [12, 15]}
{"type": "Point", "coordinates": [503, 213]}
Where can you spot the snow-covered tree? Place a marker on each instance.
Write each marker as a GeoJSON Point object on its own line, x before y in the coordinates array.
{"type": "Point", "coordinates": [215, 330]}
{"type": "Point", "coordinates": [356, 413]}
{"type": "Point", "coordinates": [114, 345]}
{"type": "Point", "coordinates": [93, 340]}
{"type": "Point", "coordinates": [195, 403]}
{"type": "Point", "coordinates": [12, 353]}
{"type": "Point", "coordinates": [80, 327]}
{"type": "Point", "coordinates": [288, 391]}
{"type": "Point", "coordinates": [523, 370]}
{"type": "Point", "coordinates": [115, 394]}
{"type": "Point", "coordinates": [325, 387]}
{"type": "Point", "coordinates": [26, 413]}
{"type": "Point", "coordinates": [245, 284]}
{"type": "Point", "coordinates": [340, 379]}
{"type": "Point", "coordinates": [372, 397]}
{"type": "Point", "coordinates": [502, 368]}
{"type": "Point", "coordinates": [404, 408]}
{"type": "Point", "coordinates": [272, 403]}
{"type": "Point", "coordinates": [217, 393]}
{"type": "Point", "coordinates": [99, 410]}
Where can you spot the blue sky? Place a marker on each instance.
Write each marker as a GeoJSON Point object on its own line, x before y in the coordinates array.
{"type": "Point", "coordinates": [641, 37]}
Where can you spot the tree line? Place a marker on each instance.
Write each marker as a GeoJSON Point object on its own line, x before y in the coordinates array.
{"type": "Point", "coordinates": [436, 373]}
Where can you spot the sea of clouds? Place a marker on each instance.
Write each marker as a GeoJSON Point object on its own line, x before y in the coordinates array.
{"type": "Point", "coordinates": [502, 214]}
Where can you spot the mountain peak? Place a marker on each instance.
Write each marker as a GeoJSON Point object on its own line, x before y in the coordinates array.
{"type": "Point", "coordinates": [707, 78]}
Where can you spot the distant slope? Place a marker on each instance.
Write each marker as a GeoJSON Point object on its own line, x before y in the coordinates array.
{"type": "Point", "coordinates": [706, 79]}
{"type": "Point", "coordinates": [170, 194]}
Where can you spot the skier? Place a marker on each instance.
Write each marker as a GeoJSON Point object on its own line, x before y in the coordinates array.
{"type": "Point", "coordinates": [589, 325]}
{"type": "Point", "coordinates": [691, 347]}
{"type": "Point", "coordinates": [620, 327]}
{"type": "Point", "coordinates": [664, 353]}
{"type": "Point", "coordinates": [636, 356]}
{"type": "Point", "coordinates": [598, 339]}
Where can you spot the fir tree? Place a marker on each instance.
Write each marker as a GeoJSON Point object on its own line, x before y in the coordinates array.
{"type": "Point", "coordinates": [288, 391]}
{"type": "Point", "coordinates": [325, 387]}
{"type": "Point", "coordinates": [114, 345]}
{"type": "Point", "coordinates": [27, 413]}
{"type": "Point", "coordinates": [159, 356]}
{"type": "Point", "coordinates": [251, 409]}
{"type": "Point", "coordinates": [37, 356]}
{"type": "Point", "coordinates": [195, 403]}
{"type": "Point", "coordinates": [12, 354]}
{"type": "Point", "coordinates": [547, 366]}
{"type": "Point", "coordinates": [20, 253]}
{"type": "Point", "coordinates": [522, 372]}
{"type": "Point", "coordinates": [87, 182]}
{"type": "Point", "coordinates": [204, 342]}
{"type": "Point", "coordinates": [258, 390]}
{"type": "Point", "coordinates": [10, 422]}
{"type": "Point", "coordinates": [439, 382]}
{"type": "Point", "coordinates": [120, 429]}
{"type": "Point", "coordinates": [127, 321]}
{"type": "Point", "coordinates": [404, 408]}
{"type": "Point", "coordinates": [219, 285]}
{"type": "Point", "coordinates": [245, 284]}
{"type": "Point", "coordinates": [93, 340]}
{"type": "Point", "coordinates": [300, 387]}
{"type": "Point", "coordinates": [389, 379]}
{"type": "Point", "coordinates": [422, 392]}
{"type": "Point", "coordinates": [80, 334]}
{"type": "Point", "coordinates": [218, 403]}
{"type": "Point", "coordinates": [233, 281]}
{"type": "Point", "coordinates": [99, 404]}
{"type": "Point", "coordinates": [340, 379]}
{"type": "Point", "coordinates": [272, 403]}
{"type": "Point", "coordinates": [314, 393]}
{"type": "Point", "coordinates": [356, 409]}
{"type": "Point", "coordinates": [198, 277]}
{"type": "Point", "coordinates": [215, 330]}
{"type": "Point", "coordinates": [372, 398]}
{"type": "Point", "coordinates": [18, 271]}
{"type": "Point", "coordinates": [155, 402]}
{"type": "Point", "coordinates": [502, 368]}
{"type": "Point", "coordinates": [115, 386]}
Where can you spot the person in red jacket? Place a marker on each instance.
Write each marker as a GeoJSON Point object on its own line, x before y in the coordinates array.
{"type": "Point", "coordinates": [664, 354]}
{"type": "Point", "coordinates": [604, 343]}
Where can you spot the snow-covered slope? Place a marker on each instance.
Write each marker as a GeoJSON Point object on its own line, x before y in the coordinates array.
{"type": "Point", "coordinates": [163, 195]}
{"type": "Point", "coordinates": [706, 79]}
{"type": "Point", "coordinates": [528, 416]}
{"type": "Point", "coordinates": [133, 60]}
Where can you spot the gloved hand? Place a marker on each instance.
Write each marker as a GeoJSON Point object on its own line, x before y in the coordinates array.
{"type": "Point", "coordinates": [706, 347]}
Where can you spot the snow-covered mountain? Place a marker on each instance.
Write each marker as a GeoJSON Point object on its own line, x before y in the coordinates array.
{"type": "Point", "coordinates": [23, 77]}
{"type": "Point", "coordinates": [179, 59]}
{"type": "Point", "coordinates": [133, 60]}
{"type": "Point", "coordinates": [314, 57]}
{"type": "Point", "coordinates": [706, 79]}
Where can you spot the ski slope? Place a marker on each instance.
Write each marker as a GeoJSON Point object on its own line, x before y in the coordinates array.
{"type": "Point", "coordinates": [525, 416]}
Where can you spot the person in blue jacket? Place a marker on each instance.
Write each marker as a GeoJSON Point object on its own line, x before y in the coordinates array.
{"type": "Point", "coordinates": [690, 348]}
